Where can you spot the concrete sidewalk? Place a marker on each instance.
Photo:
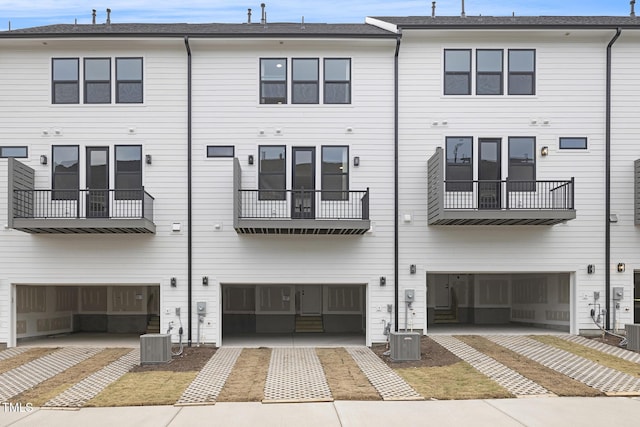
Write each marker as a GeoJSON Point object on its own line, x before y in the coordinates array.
{"type": "Point", "coordinates": [543, 412]}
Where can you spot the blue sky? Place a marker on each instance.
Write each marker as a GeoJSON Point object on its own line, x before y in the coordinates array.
{"type": "Point", "coordinates": [29, 13]}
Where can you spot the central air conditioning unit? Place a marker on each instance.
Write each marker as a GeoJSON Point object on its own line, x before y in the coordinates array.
{"type": "Point", "coordinates": [155, 348]}
{"type": "Point", "coordinates": [633, 336]}
{"type": "Point", "coordinates": [404, 345]}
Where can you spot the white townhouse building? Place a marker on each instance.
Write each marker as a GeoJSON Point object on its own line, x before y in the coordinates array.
{"type": "Point", "coordinates": [517, 141]}
{"type": "Point", "coordinates": [222, 178]}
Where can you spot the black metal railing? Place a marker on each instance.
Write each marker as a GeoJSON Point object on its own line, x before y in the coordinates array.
{"type": "Point", "coordinates": [303, 204]}
{"type": "Point", "coordinates": [83, 204]}
{"type": "Point", "coordinates": [509, 195]}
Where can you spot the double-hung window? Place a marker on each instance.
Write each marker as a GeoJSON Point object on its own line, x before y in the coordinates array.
{"type": "Point", "coordinates": [65, 81]}
{"type": "Point", "coordinates": [272, 172]}
{"type": "Point", "coordinates": [304, 81]}
{"type": "Point", "coordinates": [522, 75]}
{"type": "Point", "coordinates": [522, 163]}
{"type": "Point", "coordinates": [128, 174]}
{"type": "Point", "coordinates": [129, 80]}
{"type": "Point", "coordinates": [335, 173]}
{"type": "Point", "coordinates": [489, 68]}
{"type": "Point", "coordinates": [273, 81]}
{"type": "Point", "coordinates": [459, 163]}
{"type": "Point", "coordinates": [337, 81]}
{"type": "Point", "coordinates": [97, 80]}
{"type": "Point", "coordinates": [457, 72]}
{"type": "Point", "coordinates": [65, 172]}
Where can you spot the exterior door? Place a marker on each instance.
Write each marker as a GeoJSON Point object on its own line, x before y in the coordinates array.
{"type": "Point", "coordinates": [303, 183]}
{"type": "Point", "coordinates": [442, 293]}
{"type": "Point", "coordinates": [489, 174]}
{"type": "Point", "coordinates": [97, 182]}
{"type": "Point", "coordinates": [311, 300]}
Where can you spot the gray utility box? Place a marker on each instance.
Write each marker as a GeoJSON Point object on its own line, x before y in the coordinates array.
{"type": "Point", "coordinates": [405, 345]}
{"type": "Point", "coordinates": [155, 348]}
{"type": "Point", "coordinates": [633, 336]}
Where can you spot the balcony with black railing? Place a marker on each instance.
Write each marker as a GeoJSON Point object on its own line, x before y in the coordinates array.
{"type": "Point", "coordinates": [299, 211]}
{"type": "Point", "coordinates": [49, 211]}
{"type": "Point", "coordinates": [499, 202]}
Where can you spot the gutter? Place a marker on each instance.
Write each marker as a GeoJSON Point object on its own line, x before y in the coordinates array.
{"type": "Point", "coordinates": [607, 216]}
{"type": "Point", "coordinates": [189, 196]}
{"type": "Point", "coordinates": [396, 244]}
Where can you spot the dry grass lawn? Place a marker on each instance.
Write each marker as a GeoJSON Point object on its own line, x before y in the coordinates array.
{"type": "Point", "coordinates": [52, 387]}
{"type": "Point", "coordinates": [614, 362]}
{"type": "Point", "coordinates": [346, 380]}
{"type": "Point", "coordinates": [26, 357]}
{"type": "Point", "coordinates": [459, 381]}
{"type": "Point", "coordinates": [145, 389]}
{"type": "Point", "coordinates": [553, 381]}
{"type": "Point", "coordinates": [248, 377]}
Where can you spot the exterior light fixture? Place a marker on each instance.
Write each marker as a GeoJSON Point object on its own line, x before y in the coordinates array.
{"type": "Point", "coordinates": [356, 161]}
{"type": "Point", "coordinates": [412, 269]}
{"type": "Point", "coordinates": [147, 159]}
{"type": "Point", "coordinates": [174, 282]}
{"type": "Point", "coordinates": [544, 151]}
{"type": "Point", "coordinates": [621, 267]}
{"type": "Point", "coordinates": [205, 280]}
{"type": "Point", "coordinates": [591, 268]}
{"type": "Point", "coordinates": [250, 159]}
{"type": "Point", "coordinates": [43, 159]}
{"type": "Point", "coordinates": [383, 281]}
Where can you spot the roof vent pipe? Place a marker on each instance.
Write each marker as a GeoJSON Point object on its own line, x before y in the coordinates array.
{"type": "Point", "coordinates": [302, 27]}
{"type": "Point", "coordinates": [263, 20]}
{"type": "Point", "coordinates": [633, 8]}
{"type": "Point", "coordinates": [433, 9]}
{"type": "Point", "coordinates": [463, 14]}
{"type": "Point", "coordinates": [93, 15]}
{"type": "Point", "coordinates": [248, 16]}
{"type": "Point", "coordinates": [108, 16]}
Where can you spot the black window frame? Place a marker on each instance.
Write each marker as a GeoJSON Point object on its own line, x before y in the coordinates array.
{"type": "Point", "coordinates": [284, 83]}
{"type": "Point", "coordinates": [55, 83]}
{"type": "Point", "coordinates": [521, 186]}
{"type": "Point", "coordinates": [531, 73]}
{"type": "Point", "coordinates": [272, 194]}
{"type": "Point", "coordinates": [211, 151]}
{"type": "Point", "coordinates": [3, 155]}
{"type": "Point", "coordinates": [480, 73]}
{"type": "Point", "coordinates": [330, 194]}
{"type": "Point", "coordinates": [573, 138]}
{"type": "Point", "coordinates": [295, 82]}
{"type": "Point", "coordinates": [457, 73]}
{"type": "Point", "coordinates": [458, 186]}
{"type": "Point", "coordinates": [65, 193]}
{"type": "Point", "coordinates": [87, 82]}
{"type": "Point", "coordinates": [327, 82]}
{"type": "Point", "coordinates": [127, 193]}
{"type": "Point", "coordinates": [129, 81]}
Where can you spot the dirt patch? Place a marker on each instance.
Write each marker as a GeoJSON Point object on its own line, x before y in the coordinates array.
{"type": "Point", "coordinates": [346, 380]}
{"type": "Point", "coordinates": [22, 358]}
{"type": "Point", "coordinates": [191, 359]}
{"type": "Point", "coordinates": [431, 354]}
{"type": "Point", "coordinates": [248, 377]}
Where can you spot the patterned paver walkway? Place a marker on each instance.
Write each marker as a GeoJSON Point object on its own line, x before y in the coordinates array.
{"type": "Point", "coordinates": [620, 352]}
{"type": "Point", "coordinates": [600, 377]}
{"type": "Point", "coordinates": [85, 390]}
{"type": "Point", "coordinates": [389, 384]}
{"type": "Point", "coordinates": [33, 373]}
{"type": "Point", "coordinates": [207, 385]}
{"type": "Point", "coordinates": [12, 352]}
{"type": "Point", "coordinates": [296, 375]}
{"type": "Point", "coordinates": [511, 380]}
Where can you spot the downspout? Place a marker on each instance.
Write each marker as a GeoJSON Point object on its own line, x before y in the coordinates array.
{"type": "Point", "coordinates": [189, 195]}
{"type": "Point", "coordinates": [396, 289]}
{"type": "Point", "coordinates": [607, 215]}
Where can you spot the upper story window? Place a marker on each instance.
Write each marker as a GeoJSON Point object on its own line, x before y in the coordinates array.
{"type": "Point", "coordinates": [17, 152]}
{"type": "Point", "coordinates": [304, 81]}
{"type": "Point", "coordinates": [273, 81]}
{"type": "Point", "coordinates": [129, 80]}
{"type": "Point", "coordinates": [459, 164]}
{"type": "Point", "coordinates": [128, 178]}
{"type": "Point", "coordinates": [457, 72]}
{"type": "Point", "coordinates": [489, 66]}
{"type": "Point", "coordinates": [65, 81]}
{"type": "Point", "coordinates": [337, 81]}
{"type": "Point", "coordinates": [522, 66]}
{"type": "Point", "coordinates": [335, 173]}
{"type": "Point", "coordinates": [97, 80]}
{"type": "Point", "coordinates": [65, 172]}
{"type": "Point", "coordinates": [522, 163]}
{"type": "Point", "coordinates": [272, 172]}
{"type": "Point", "coordinates": [573, 143]}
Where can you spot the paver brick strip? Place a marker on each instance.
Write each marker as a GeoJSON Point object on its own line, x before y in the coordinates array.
{"type": "Point", "coordinates": [207, 385]}
{"type": "Point", "coordinates": [389, 384]}
{"type": "Point", "coordinates": [600, 377]}
{"type": "Point", "coordinates": [296, 375]}
{"type": "Point", "coordinates": [511, 380]}
{"type": "Point", "coordinates": [79, 394]}
{"type": "Point", "coordinates": [33, 373]}
{"type": "Point", "coordinates": [620, 352]}
{"type": "Point", "coordinates": [12, 352]}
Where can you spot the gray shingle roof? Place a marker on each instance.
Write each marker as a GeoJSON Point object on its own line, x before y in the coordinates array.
{"type": "Point", "coordinates": [203, 30]}
{"type": "Point", "coordinates": [428, 22]}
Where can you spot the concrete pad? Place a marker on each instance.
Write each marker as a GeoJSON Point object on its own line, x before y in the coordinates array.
{"type": "Point", "coordinates": [257, 414]}
{"type": "Point", "coordinates": [575, 411]}
{"type": "Point", "coordinates": [139, 416]}
{"type": "Point", "coordinates": [9, 417]}
{"type": "Point", "coordinates": [443, 413]}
